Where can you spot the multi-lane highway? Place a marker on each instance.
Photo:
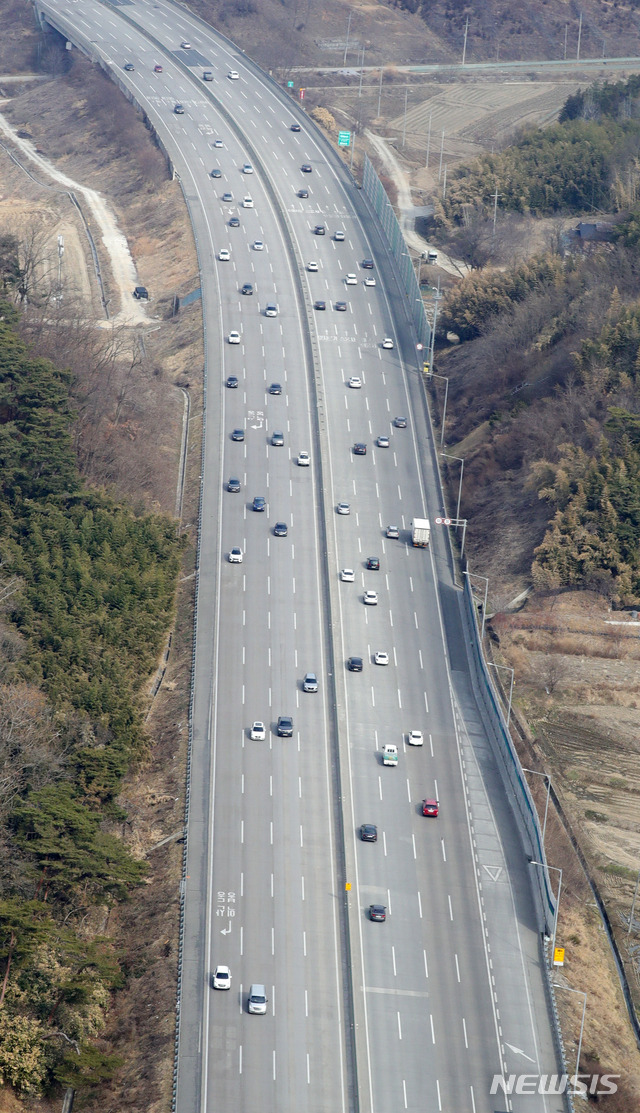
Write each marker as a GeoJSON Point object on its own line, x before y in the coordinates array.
{"type": "Point", "coordinates": [423, 1009]}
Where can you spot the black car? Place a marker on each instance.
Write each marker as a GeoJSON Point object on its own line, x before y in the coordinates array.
{"type": "Point", "coordinates": [373, 564]}
{"type": "Point", "coordinates": [354, 664]}
{"type": "Point", "coordinates": [400, 422]}
{"type": "Point", "coordinates": [141, 293]}
{"type": "Point", "coordinates": [232, 382]}
{"type": "Point", "coordinates": [306, 169]}
{"type": "Point", "coordinates": [369, 832]}
{"type": "Point", "coordinates": [341, 306]}
{"type": "Point", "coordinates": [377, 913]}
{"type": "Point", "coordinates": [285, 726]}
{"type": "Point", "coordinates": [179, 109]}
{"type": "Point", "coordinates": [275, 388]}
{"type": "Point", "coordinates": [237, 435]}
{"type": "Point", "coordinates": [359, 449]}
{"type": "Point", "coordinates": [215, 173]}
{"type": "Point", "coordinates": [280, 529]}
{"type": "Point", "coordinates": [303, 193]}
{"type": "Point", "coordinates": [129, 66]}
{"type": "Point", "coordinates": [320, 305]}
{"type": "Point", "coordinates": [247, 288]}
{"type": "Point", "coordinates": [234, 222]}
{"type": "Point", "coordinates": [296, 127]}
{"type": "Point", "coordinates": [233, 485]}
{"type": "Point", "coordinates": [259, 503]}
{"type": "Point", "coordinates": [367, 264]}
{"type": "Point", "coordinates": [319, 229]}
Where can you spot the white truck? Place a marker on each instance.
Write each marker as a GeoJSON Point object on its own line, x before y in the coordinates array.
{"type": "Point", "coordinates": [420, 530]}
{"type": "Point", "coordinates": [389, 754]}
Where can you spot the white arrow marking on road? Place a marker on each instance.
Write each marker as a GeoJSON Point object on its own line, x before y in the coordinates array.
{"type": "Point", "coordinates": [519, 1051]}
{"type": "Point", "coordinates": [226, 931]}
{"type": "Point", "coordinates": [494, 873]}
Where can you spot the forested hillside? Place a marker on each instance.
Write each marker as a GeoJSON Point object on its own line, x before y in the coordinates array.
{"type": "Point", "coordinates": [87, 590]}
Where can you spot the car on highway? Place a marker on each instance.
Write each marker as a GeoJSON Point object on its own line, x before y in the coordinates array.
{"type": "Point", "coordinates": [185, 45]}
{"type": "Point", "coordinates": [351, 280]}
{"type": "Point", "coordinates": [354, 664]}
{"type": "Point", "coordinates": [369, 832]}
{"type": "Point", "coordinates": [247, 202]}
{"type": "Point", "coordinates": [233, 485]}
{"type": "Point", "coordinates": [285, 726]}
{"type": "Point", "coordinates": [234, 222]}
{"type": "Point", "coordinates": [339, 236]}
{"type": "Point", "coordinates": [319, 304]}
{"type": "Point", "coordinates": [367, 264]}
{"type": "Point", "coordinates": [271, 310]}
{"type": "Point", "coordinates": [382, 442]}
{"type": "Point", "coordinates": [207, 75]}
{"type": "Point", "coordinates": [369, 280]}
{"type": "Point", "coordinates": [178, 109]}
{"type": "Point", "coordinates": [259, 504]}
{"type": "Point", "coordinates": [380, 657]}
{"type": "Point", "coordinates": [228, 196]}
{"type": "Point", "coordinates": [355, 382]}
{"type": "Point", "coordinates": [233, 75]}
{"type": "Point", "coordinates": [217, 173]}
{"type": "Point", "coordinates": [312, 266]}
{"type": "Point", "coordinates": [224, 255]}
{"type": "Point", "coordinates": [393, 532]}
{"type": "Point", "coordinates": [258, 245]}
{"type": "Point", "coordinates": [377, 913]}
{"type": "Point", "coordinates": [296, 127]}
{"type": "Point", "coordinates": [373, 564]}
{"type": "Point", "coordinates": [218, 144]}
{"type": "Point", "coordinates": [234, 337]}
{"type": "Point", "coordinates": [414, 738]}
{"type": "Point", "coordinates": [235, 556]}
{"type": "Point", "coordinates": [257, 1002]}
{"type": "Point", "coordinates": [280, 529]}
{"type": "Point", "coordinates": [387, 343]}
{"type": "Point", "coordinates": [303, 193]}
{"type": "Point", "coordinates": [275, 388]}
{"type": "Point", "coordinates": [306, 168]}
{"type": "Point", "coordinates": [341, 306]}
{"type": "Point", "coordinates": [232, 382]}
{"type": "Point", "coordinates": [359, 449]}
{"type": "Point", "coordinates": [304, 460]}
{"type": "Point", "coordinates": [247, 288]}
{"type": "Point", "coordinates": [319, 230]}
{"type": "Point", "coordinates": [400, 422]}
{"type": "Point", "coordinates": [430, 808]}
{"type": "Point", "coordinates": [277, 439]}
{"type": "Point", "coordinates": [157, 69]}
{"type": "Point", "coordinates": [343, 508]}
{"type": "Point", "coordinates": [247, 168]}
{"type": "Point", "coordinates": [237, 435]}
{"type": "Point", "coordinates": [222, 977]}
{"type": "Point", "coordinates": [258, 731]}
{"type": "Point", "coordinates": [129, 67]}
{"type": "Point", "coordinates": [370, 598]}
{"type": "Point", "coordinates": [310, 682]}
{"type": "Point", "coordinates": [347, 575]}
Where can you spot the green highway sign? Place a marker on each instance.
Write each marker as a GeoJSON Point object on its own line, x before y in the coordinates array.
{"type": "Point", "coordinates": [289, 84]}
{"type": "Point", "coordinates": [344, 138]}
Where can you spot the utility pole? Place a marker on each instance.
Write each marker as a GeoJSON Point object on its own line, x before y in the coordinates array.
{"type": "Point", "coordinates": [361, 71]}
{"type": "Point", "coordinates": [346, 45]}
{"type": "Point", "coordinates": [444, 183]}
{"type": "Point", "coordinates": [404, 123]}
{"type": "Point", "coordinates": [566, 28]}
{"type": "Point", "coordinates": [380, 91]}
{"type": "Point", "coordinates": [353, 143]}
{"type": "Point", "coordinates": [495, 209]}
{"type": "Point", "coordinates": [428, 140]}
{"type": "Point", "coordinates": [464, 49]}
{"type": "Point", "coordinates": [441, 153]}
{"type": "Point", "coordinates": [579, 38]}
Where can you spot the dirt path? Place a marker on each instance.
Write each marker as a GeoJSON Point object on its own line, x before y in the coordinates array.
{"type": "Point", "coordinates": [115, 243]}
{"type": "Point", "coordinates": [407, 208]}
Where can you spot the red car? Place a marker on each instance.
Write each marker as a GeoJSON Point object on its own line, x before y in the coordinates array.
{"type": "Point", "coordinates": [157, 69]}
{"type": "Point", "coordinates": [430, 807]}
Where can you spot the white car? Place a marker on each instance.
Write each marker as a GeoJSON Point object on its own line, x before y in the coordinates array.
{"type": "Point", "coordinates": [185, 45]}
{"type": "Point", "coordinates": [218, 143]}
{"type": "Point", "coordinates": [369, 280]}
{"type": "Point", "coordinates": [233, 75]}
{"type": "Point", "coordinates": [258, 245]}
{"type": "Point", "coordinates": [247, 168]}
{"type": "Point", "coordinates": [393, 532]}
{"type": "Point", "coordinates": [234, 337]}
{"type": "Point", "coordinates": [338, 236]}
{"type": "Point", "coordinates": [355, 382]}
{"type": "Point", "coordinates": [303, 459]}
{"type": "Point", "coordinates": [312, 267]}
{"type": "Point", "coordinates": [414, 738]}
{"type": "Point", "coordinates": [382, 442]}
{"type": "Point", "coordinates": [247, 203]}
{"type": "Point", "coordinates": [351, 280]}
{"type": "Point", "coordinates": [381, 658]}
{"type": "Point", "coordinates": [343, 508]}
{"type": "Point", "coordinates": [347, 575]}
{"type": "Point", "coordinates": [221, 974]}
{"type": "Point", "coordinates": [224, 255]}
{"type": "Point", "coordinates": [235, 556]}
{"type": "Point", "coordinates": [258, 731]}
{"type": "Point", "coordinates": [370, 598]}
{"type": "Point", "coordinates": [387, 342]}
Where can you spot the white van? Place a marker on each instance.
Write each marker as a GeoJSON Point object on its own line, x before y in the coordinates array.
{"type": "Point", "coordinates": [257, 999]}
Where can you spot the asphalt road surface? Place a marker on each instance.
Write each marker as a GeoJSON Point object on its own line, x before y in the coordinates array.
{"type": "Point", "coordinates": [446, 992]}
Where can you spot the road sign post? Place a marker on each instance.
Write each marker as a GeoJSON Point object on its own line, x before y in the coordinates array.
{"type": "Point", "coordinates": [344, 138]}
